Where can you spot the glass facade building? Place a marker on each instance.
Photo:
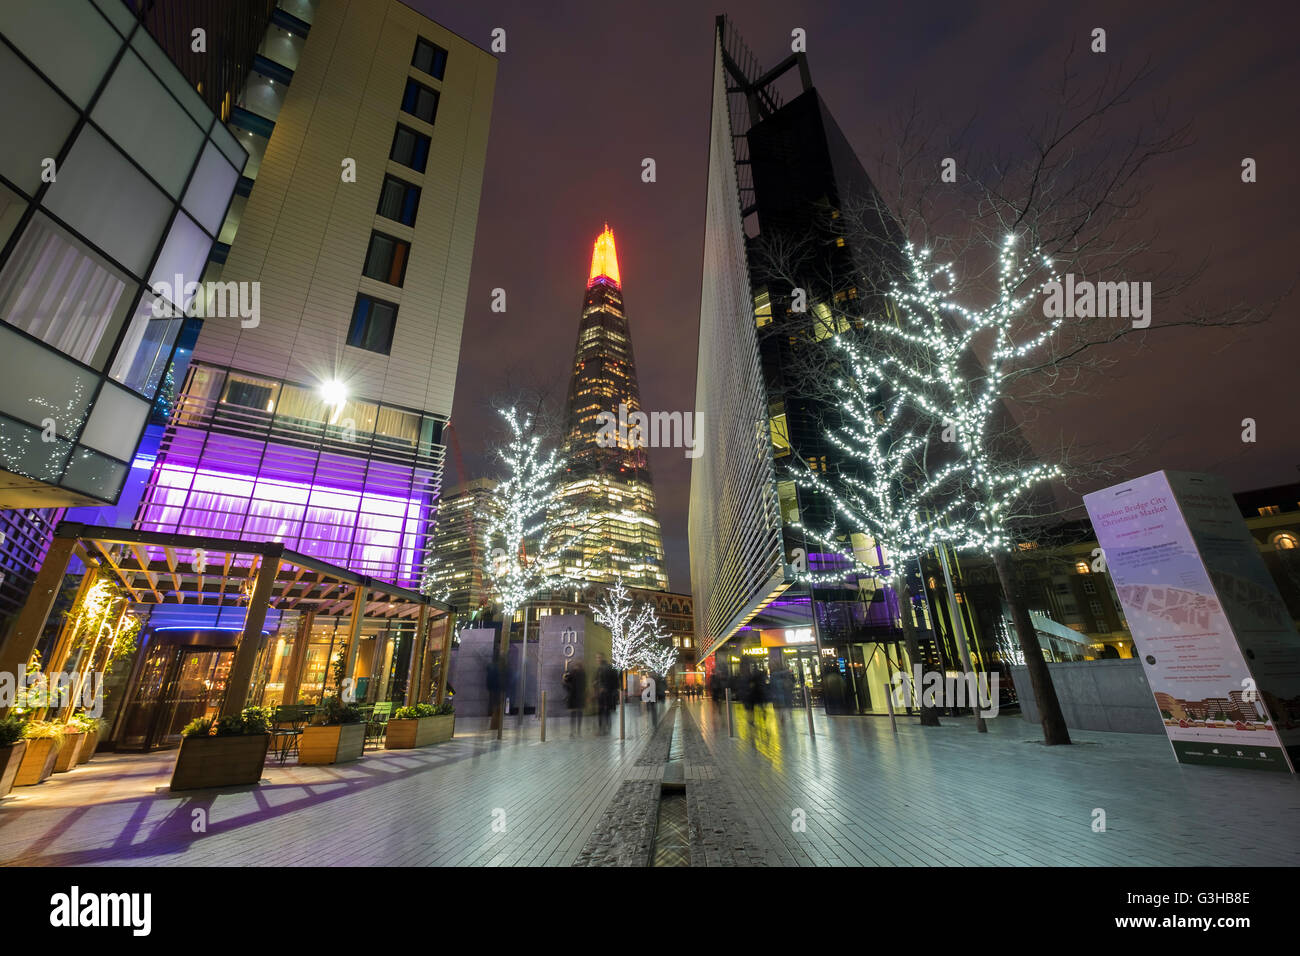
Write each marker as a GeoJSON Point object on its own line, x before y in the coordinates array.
{"type": "Point", "coordinates": [115, 178]}
{"type": "Point", "coordinates": [781, 175]}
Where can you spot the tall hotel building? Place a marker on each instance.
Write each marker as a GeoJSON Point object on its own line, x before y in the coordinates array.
{"type": "Point", "coordinates": [609, 481]}
{"type": "Point", "coordinates": [114, 175]}
{"type": "Point", "coordinates": [318, 422]}
{"type": "Point", "coordinates": [777, 168]}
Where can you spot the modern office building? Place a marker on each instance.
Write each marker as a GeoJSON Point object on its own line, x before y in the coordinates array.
{"type": "Point", "coordinates": [318, 421]}
{"type": "Point", "coordinates": [608, 475]}
{"type": "Point", "coordinates": [459, 552]}
{"type": "Point", "coordinates": [115, 176]}
{"type": "Point", "coordinates": [781, 174]}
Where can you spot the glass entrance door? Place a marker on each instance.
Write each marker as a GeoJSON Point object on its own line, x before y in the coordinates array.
{"type": "Point", "coordinates": [176, 685]}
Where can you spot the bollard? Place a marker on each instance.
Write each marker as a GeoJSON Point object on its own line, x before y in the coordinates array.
{"type": "Point", "coordinates": [889, 701]}
{"type": "Point", "coordinates": [543, 716]}
{"type": "Point", "coordinates": [730, 733]}
{"type": "Point", "coordinates": [622, 734]}
{"type": "Point", "coordinates": [807, 707]}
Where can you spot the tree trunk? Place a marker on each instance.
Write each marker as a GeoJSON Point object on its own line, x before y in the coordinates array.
{"type": "Point", "coordinates": [1049, 708]}
{"type": "Point", "coordinates": [929, 715]}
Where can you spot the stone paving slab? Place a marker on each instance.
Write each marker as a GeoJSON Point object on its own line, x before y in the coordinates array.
{"type": "Point", "coordinates": [856, 794]}
{"type": "Point", "coordinates": [865, 797]}
{"type": "Point", "coordinates": [472, 801]}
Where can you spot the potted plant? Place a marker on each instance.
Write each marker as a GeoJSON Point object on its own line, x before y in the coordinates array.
{"type": "Point", "coordinates": [419, 725]}
{"type": "Point", "coordinates": [13, 744]}
{"type": "Point", "coordinates": [228, 752]}
{"type": "Point", "coordinates": [94, 727]}
{"type": "Point", "coordinates": [44, 739]}
{"type": "Point", "coordinates": [73, 737]}
{"type": "Point", "coordinates": [338, 735]}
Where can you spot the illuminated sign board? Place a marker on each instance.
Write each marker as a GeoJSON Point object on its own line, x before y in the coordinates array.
{"type": "Point", "coordinates": [784, 637]}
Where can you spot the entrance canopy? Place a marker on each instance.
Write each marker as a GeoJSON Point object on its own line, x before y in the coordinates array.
{"type": "Point", "coordinates": [158, 568]}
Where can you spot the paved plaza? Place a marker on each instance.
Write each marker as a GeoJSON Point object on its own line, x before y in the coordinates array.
{"type": "Point", "coordinates": [853, 794]}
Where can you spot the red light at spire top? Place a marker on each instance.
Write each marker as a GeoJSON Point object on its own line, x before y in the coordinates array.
{"type": "Point", "coordinates": [604, 260]}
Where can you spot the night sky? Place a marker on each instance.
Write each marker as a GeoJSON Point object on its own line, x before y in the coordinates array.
{"type": "Point", "coordinates": [586, 90]}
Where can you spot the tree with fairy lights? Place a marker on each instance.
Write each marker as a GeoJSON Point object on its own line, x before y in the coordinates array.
{"type": "Point", "coordinates": [525, 500]}
{"type": "Point", "coordinates": [889, 486]}
{"type": "Point", "coordinates": [658, 655]}
{"type": "Point", "coordinates": [961, 393]}
{"type": "Point", "coordinates": [631, 629]}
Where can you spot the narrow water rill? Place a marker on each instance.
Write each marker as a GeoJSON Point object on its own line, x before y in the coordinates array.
{"type": "Point", "coordinates": [672, 841]}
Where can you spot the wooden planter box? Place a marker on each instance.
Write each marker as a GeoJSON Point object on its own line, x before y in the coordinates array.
{"type": "Point", "coordinates": [11, 759]}
{"type": "Point", "coordinates": [336, 743]}
{"type": "Point", "coordinates": [88, 746]}
{"type": "Point", "coordinates": [69, 752]}
{"type": "Point", "coordinates": [220, 761]}
{"type": "Point", "coordinates": [38, 761]}
{"type": "Point", "coordinates": [419, 732]}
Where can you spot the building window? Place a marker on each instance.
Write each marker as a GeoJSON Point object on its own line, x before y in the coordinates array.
{"type": "Point", "coordinates": [373, 321]}
{"type": "Point", "coordinates": [398, 201]}
{"type": "Point", "coordinates": [386, 258]}
{"type": "Point", "coordinates": [1081, 567]}
{"type": "Point", "coordinates": [1090, 586]}
{"type": "Point", "coordinates": [1286, 541]}
{"type": "Point", "coordinates": [1270, 510]}
{"type": "Point", "coordinates": [250, 392]}
{"type": "Point", "coordinates": [429, 58]}
{"type": "Point", "coordinates": [420, 101]}
{"type": "Point", "coordinates": [410, 148]}
{"type": "Point", "coordinates": [56, 289]}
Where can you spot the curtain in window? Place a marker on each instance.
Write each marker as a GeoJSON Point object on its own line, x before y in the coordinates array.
{"type": "Point", "coordinates": [399, 426]}
{"type": "Point", "coordinates": [56, 290]}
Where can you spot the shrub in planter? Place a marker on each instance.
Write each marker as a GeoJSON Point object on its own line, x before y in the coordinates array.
{"type": "Point", "coordinates": [44, 738]}
{"type": "Point", "coordinates": [338, 735]}
{"type": "Point", "coordinates": [94, 728]}
{"type": "Point", "coordinates": [418, 726]}
{"type": "Point", "coordinates": [13, 745]}
{"type": "Point", "coordinates": [70, 751]}
{"type": "Point", "coordinates": [228, 752]}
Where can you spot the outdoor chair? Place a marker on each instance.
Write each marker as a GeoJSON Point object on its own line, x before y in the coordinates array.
{"type": "Point", "coordinates": [287, 724]}
{"type": "Point", "coordinates": [377, 722]}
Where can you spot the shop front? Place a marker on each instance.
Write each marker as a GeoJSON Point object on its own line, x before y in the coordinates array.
{"type": "Point", "coordinates": [227, 624]}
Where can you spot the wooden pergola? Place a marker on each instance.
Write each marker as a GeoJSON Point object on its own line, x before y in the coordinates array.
{"type": "Point", "coordinates": [158, 568]}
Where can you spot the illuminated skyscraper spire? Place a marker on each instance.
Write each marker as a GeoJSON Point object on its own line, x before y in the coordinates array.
{"type": "Point", "coordinates": [608, 480]}
{"type": "Point", "coordinates": [604, 260]}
